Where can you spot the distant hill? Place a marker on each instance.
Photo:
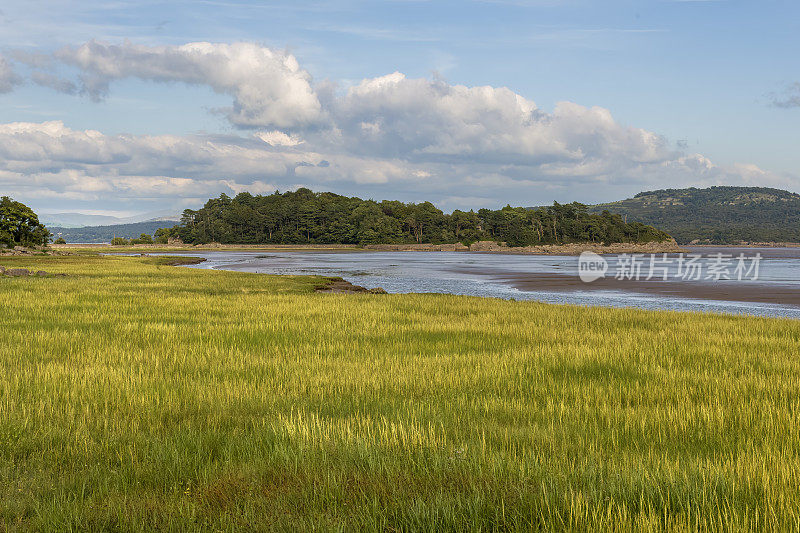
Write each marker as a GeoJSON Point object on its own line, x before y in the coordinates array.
{"type": "Point", "coordinates": [80, 220]}
{"type": "Point", "coordinates": [97, 234]}
{"type": "Point", "coordinates": [717, 215]}
{"type": "Point", "coordinates": [76, 220]}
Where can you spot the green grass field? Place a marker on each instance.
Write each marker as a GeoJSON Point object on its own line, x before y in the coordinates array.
{"type": "Point", "coordinates": [139, 396]}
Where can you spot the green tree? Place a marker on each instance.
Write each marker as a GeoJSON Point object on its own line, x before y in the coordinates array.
{"type": "Point", "coordinates": [144, 238]}
{"type": "Point", "coordinates": [163, 235]}
{"type": "Point", "coordinates": [19, 225]}
{"type": "Point", "coordinates": [374, 227]}
{"type": "Point", "coordinates": [465, 226]}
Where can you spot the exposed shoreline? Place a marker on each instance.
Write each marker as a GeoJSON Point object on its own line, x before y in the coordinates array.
{"type": "Point", "coordinates": [720, 291]}
{"type": "Point", "coordinates": [748, 245]}
{"type": "Point", "coordinates": [726, 291]}
{"type": "Point", "coordinates": [547, 249]}
{"type": "Point", "coordinates": [478, 247]}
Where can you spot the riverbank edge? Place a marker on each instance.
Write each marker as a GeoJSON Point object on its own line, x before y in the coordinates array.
{"type": "Point", "coordinates": [478, 247]}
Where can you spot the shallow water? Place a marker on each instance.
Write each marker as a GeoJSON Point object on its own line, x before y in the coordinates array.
{"type": "Point", "coordinates": [492, 275]}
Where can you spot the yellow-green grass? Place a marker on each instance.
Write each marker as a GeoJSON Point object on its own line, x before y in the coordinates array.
{"type": "Point", "coordinates": [139, 396]}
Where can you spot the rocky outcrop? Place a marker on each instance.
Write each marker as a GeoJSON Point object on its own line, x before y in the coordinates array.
{"type": "Point", "coordinates": [458, 247]}
{"type": "Point", "coordinates": [549, 249]}
{"type": "Point", "coordinates": [20, 250]}
{"type": "Point", "coordinates": [174, 260]}
{"type": "Point", "coordinates": [576, 249]}
{"type": "Point", "coordinates": [487, 246]}
{"type": "Point", "coordinates": [338, 285]}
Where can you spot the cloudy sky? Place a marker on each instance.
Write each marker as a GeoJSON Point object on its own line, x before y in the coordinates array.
{"type": "Point", "coordinates": [143, 106]}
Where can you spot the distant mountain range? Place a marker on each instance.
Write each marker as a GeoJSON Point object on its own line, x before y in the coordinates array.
{"type": "Point", "coordinates": [99, 234]}
{"type": "Point", "coordinates": [79, 220]}
{"type": "Point", "coordinates": [717, 215]}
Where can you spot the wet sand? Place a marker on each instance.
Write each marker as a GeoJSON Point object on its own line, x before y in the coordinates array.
{"type": "Point", "coordinates": [726, 290]}
{"type": "Point", "coordinates": [552, 279]}
{"type": "Point", "coordinates": [722, 290]}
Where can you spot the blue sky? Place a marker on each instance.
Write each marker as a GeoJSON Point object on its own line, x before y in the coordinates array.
{"type": "Point", "coordinates": [702, 76]}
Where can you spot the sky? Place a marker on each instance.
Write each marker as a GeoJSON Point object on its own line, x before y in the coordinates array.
{"type": "Point", "coordinates": [128, 107]}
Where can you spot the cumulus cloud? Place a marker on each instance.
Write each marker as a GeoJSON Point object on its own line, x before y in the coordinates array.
{"type": "Point", "coordinates": [51, 160]}
{"type": "Point", "coordinates": [430, 120]}
{"type": "Point", "coordinates": [389, 136]}
{"type": "Point", "coordinates": [278, 138]}
{"type": "Point", "coordinates": [390, 116]}
{"type": "Point", "coordinates": [268, 86]}
{"type": "Point", "coordinates": [88, 165]}
{"type": "Point", "coordinates": [8, 78]}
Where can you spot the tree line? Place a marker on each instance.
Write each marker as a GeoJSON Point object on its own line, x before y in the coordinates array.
{"type": "Point", "coordinates": [306, 217]}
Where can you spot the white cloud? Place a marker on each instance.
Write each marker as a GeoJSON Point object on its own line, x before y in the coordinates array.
{"type": "Point", "coordinates": [91, 166]}
{"type": "Point", "coordinates": [430, 121]}
{"type": "Point", "coordinates": [50, 160]}
{"type": "Point", "coordinates": [256, 187]}
{"type": "Point", "coordinates": [390, 137]}
{"type": "Point", "coordinates": [389, 116]}
{"type": "Point", "coordinates": [278, 138]}
{"type": "Point", "coordinates": [268, 86]}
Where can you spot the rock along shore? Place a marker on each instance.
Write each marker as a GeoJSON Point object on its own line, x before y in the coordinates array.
{"type": "Point", "coordinates": [340, 286]}
{"type": "Point", "coordinates": [482, 246]}
{"type": "Point", "coordinates": [549, 249]}
{"type": "Point", "coordinates": [21, 250]}
{"type": "Point", "coordinates": [24, 272]}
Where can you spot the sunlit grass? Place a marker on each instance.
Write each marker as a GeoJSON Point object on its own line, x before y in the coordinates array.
{"type": "Point", "coordinates": [136, 396]}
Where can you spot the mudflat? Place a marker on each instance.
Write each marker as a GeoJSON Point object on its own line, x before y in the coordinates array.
{"type": "Point", "coordinates": [711, 290]}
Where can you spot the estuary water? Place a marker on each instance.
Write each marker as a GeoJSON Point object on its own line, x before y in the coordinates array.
{"type": "Point", "coordinates": [760, 281]}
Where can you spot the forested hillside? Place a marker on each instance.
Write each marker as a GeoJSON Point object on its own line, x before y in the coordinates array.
{"type": "Point", "coordinates": [97, 234]}
{"type": "Point", "coordinates": [717, 215]}
{"type": "Point", "coordinates": [304, 216]}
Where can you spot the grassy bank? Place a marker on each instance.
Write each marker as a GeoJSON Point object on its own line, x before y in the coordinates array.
{"type": "Point", "coordinates": [135, 396]}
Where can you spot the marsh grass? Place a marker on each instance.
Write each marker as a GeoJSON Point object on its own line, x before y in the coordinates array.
{"type": "Point", "coordinates": [140, 396]}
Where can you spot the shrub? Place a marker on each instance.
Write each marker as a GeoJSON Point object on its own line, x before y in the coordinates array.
{"type": "Point", "coordinates": [143, 239]}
